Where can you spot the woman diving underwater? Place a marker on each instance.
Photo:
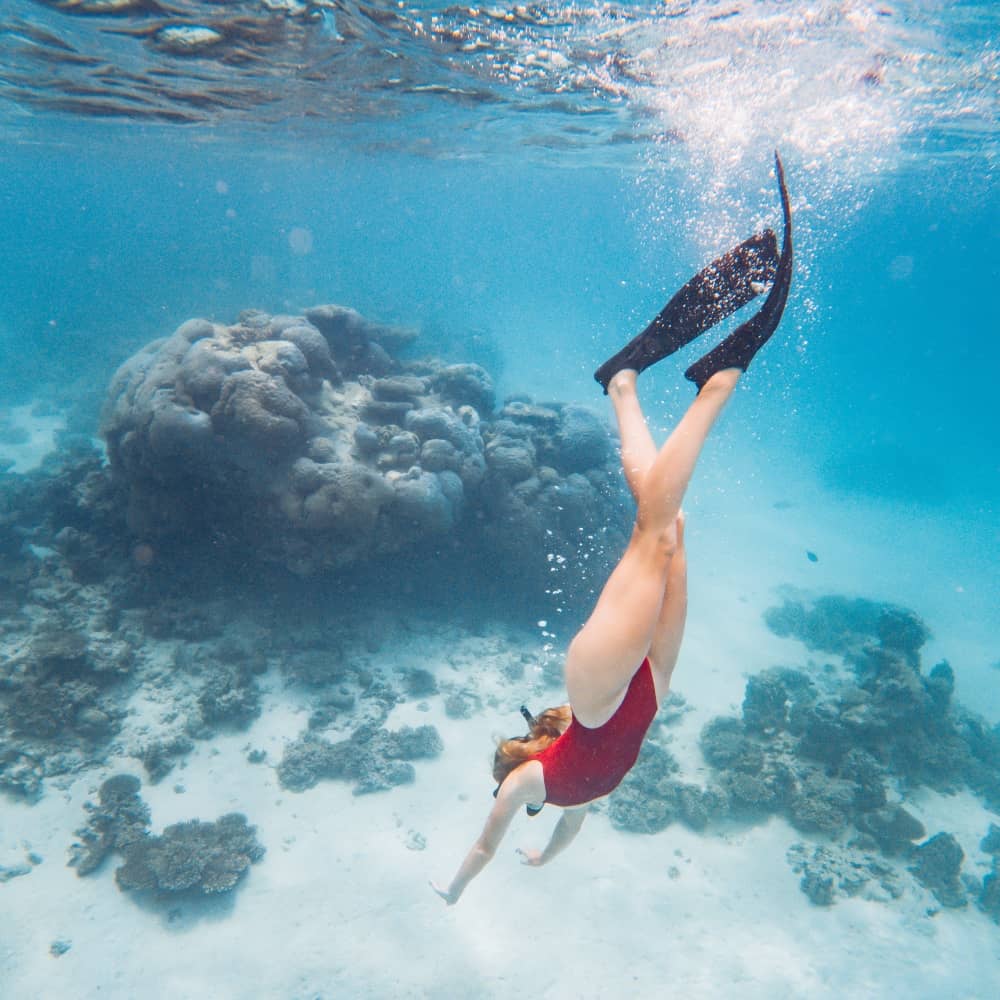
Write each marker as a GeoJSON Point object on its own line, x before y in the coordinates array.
{"type": "Point", "coordinates": [619, 665]}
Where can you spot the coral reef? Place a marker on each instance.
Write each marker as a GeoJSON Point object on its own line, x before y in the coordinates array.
{"type": "Point", "coordinates": [308, 441]}
{"type": "Point", "coordinates": [193, 857]}
{"type": "Point", "coordinates": [374, 758]}
{"type": "Point", "coordinates": [238, 452]}
{"type": "Point", "coordinates": [904, 719]}
{"type": "Point", "coordinates": [66, 660]}
{"type": "Point", "coordinates": [827, 751]}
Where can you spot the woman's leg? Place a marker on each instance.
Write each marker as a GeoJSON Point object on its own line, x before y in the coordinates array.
{"type": "Point", "coordinates": [619, 633]}
{"type": "Point", "coordinates": [669, 629]}
{"type": "Point", "coordinates": [637, 448]}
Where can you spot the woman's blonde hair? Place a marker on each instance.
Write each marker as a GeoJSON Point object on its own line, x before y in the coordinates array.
{"type": "Point", "coordinates": [546, 728]}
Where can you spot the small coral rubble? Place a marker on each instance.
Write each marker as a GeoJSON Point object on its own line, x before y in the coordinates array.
{"type": "Point", "coordinates": [311, 443]}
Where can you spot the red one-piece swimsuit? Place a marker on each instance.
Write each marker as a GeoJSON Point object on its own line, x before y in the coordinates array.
{"type": "Point", "coordinates": [584, 764]}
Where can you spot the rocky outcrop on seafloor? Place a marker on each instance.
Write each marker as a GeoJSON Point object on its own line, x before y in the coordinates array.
{"type": "Point", "coordinates": [191, 858]}
{"type": "Point", "coordinates": [310, 441]}
{"type": "Point", "coordinates": [835, 752]}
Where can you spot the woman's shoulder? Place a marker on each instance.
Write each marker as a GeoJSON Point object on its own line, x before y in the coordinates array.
{"type": "Point", "coordinates": [527, 782]}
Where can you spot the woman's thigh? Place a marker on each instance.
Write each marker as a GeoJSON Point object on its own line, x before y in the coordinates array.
{"type": "Point", "coordinates": [612, 644]}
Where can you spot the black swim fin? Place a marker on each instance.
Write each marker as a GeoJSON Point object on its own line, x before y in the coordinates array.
{"type": "Point", "coordinates": [714, 293]}
{"type": "Point", "coordinates": [738, 349]}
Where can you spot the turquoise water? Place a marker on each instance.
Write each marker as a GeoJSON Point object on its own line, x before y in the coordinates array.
{"type": "Point", "coordinates": [525, 188]}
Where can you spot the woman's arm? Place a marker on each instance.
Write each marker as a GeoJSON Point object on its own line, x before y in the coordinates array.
{"type": "Point", "coordinates": [509, 799]}
{"type": "Point", "coordinates": [562, 836]}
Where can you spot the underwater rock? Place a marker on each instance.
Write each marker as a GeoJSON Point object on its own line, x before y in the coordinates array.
{"type": "Point", "coordinates": [466, 385]}
{"type": "Point", "coordinates": [893, 828]}
{"type": "Point", "coordinates": [725, 744]}
{"type": "Point", "coordinates": [867, 777]}
{"type": "Point", "coordinates": [119, 819]}
{"type": "Point", "coordinates": [990, 844]}
{"type": "Point", "coordinates": [981, 761]}
{"type": "Point", "coordinates": [230, 696]}
{"type": "Point", "coordinates": [309, 442]}
{"type": "Point", "coordinates": [938, 866]}
{"type": "Point", "coordinates": [59, 699]}
{"type": "Point", "coordinates": [316, 667]}
{"type": "Point", "coordinates": [905, 723]}
{"type": "Point", "coordinates": [191, 857]}
{"type": "Point", "coordinates": [757, 779]}
{"type": "Point", "coordinates": [823, 753]}
{"type": "Point", "coordinates": [651, 798]}
{"type": "Point", "coordinates": [823, 736]}
{"type": "Point", "coordinates": [821, 804]}
{"type": "Point", "coordinates": [374, 758]}
{"type": "Point", "coordinates": [836, 624]}
{"type": "Point", "coordinates": [458, 706]}
{"type": "Point", "coordinates": [829, 871]}
{"type": "Point", "coordinates": [673, 708]}
{"type": "Point", "coordinates": [756, 795]}
{"type": "Point", "coordinates": [20, 773]}
{"type": "Point", "coordinates": [582, 441]}
{"type": "Point", "coordinates": [818, 887]}
{"type": "Point", "coordinates": [172, 618]}
{"type": "Point", "coordinates": [59, 650]}
{"type": "Point", "coordinates": [940, 684]}
{"type": "Point", "coordinates": [356, 344]}
{"type": "Point", "coordinates": [765, 703]}
{"type": "Point", "coordinates": [511, 459]}
{"type": "Point", "coordinates": [160, 756]}
{"type": "Point", "coordinates": [83, 554]}
{"type": "Point", "coordinates": [8, 872]}
{"type": "Point", "coordinates": [521, 410]}
{"type": "Point", "coordinates": [646, 802]}
{"type": "Point", "coordinates": [421, 683]}
{"type": "Point", "coordinates": [989, 897]}
{"type": "Point", "coordinates": [332, 704]}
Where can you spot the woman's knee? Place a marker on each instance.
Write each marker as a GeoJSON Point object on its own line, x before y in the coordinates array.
{"type": "Point", "coordinates": [656, 540]}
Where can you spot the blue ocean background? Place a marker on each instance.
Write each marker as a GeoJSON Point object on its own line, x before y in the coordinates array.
{"type": "Point", "coordinates": [536, 266]}
{"type": "Point", "coordinates": [533, 228]}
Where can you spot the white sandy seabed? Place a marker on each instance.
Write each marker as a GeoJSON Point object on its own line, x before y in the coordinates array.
{"type": "Point", "coordinates": [340, 904]}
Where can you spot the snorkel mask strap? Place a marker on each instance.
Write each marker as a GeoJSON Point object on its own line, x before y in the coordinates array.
{"type": "Point", "coordinates": [530, 719]}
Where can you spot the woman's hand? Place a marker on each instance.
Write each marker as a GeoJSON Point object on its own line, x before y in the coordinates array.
{"type": "Point", "coordinates": [530, 857]}
{"type": "Point", "coordinates": [448, 897]}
